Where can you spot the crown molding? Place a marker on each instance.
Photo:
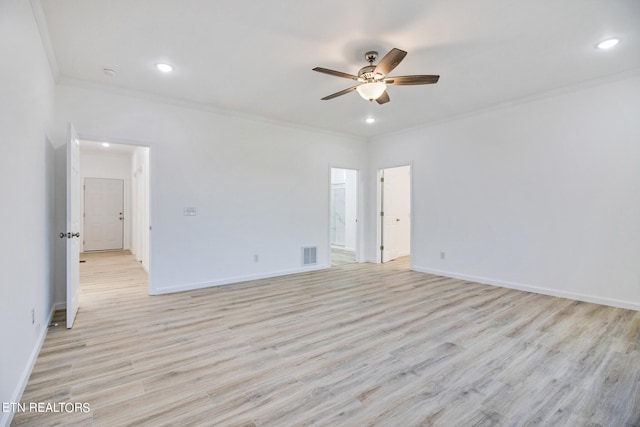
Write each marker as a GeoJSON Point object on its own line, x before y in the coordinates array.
{"type": "Point", "coordinates": [552, 93]}
{"type": "Point", "coordinates": [64, 80]}
{"type": "Point", "coordinates": [41, 22]}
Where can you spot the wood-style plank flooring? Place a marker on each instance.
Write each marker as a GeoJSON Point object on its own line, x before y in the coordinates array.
{"type": "Point", "coordinates": [340, 256]}
{"type": "Point", "coordinates": [356, 345]}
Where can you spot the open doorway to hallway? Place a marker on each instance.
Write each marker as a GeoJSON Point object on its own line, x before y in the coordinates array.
{"type": "Point", "coordinates": [343, 216]}
{"type": "Point", "coordinates": [394, 221]}
{"type": "Point", "coordinates": [114, 201]}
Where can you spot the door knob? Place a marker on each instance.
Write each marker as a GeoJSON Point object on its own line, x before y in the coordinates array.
{"type": "Point", "coordinates": [397, 219]}
{"type": "Point", "coordinates": [69, 235]}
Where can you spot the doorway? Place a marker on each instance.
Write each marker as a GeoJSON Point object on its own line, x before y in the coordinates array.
{"type": "Point", "coordinates": [394, 221]}
{"type": "Point", "coordinates": [115, 199]}
{"type": "Point", "coordinates": [111, 165]}
{"type": "Point", "coordinates": [343, 228]}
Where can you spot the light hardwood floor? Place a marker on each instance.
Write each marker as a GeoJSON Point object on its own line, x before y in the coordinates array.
{"type": "Point", "coordinates": [341, 256]}
{"type": "Point", "coordinates": [355, 345]}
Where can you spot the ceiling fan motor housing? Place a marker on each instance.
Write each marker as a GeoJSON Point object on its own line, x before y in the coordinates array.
{"type": "Point", "coordinates": [367, 73]}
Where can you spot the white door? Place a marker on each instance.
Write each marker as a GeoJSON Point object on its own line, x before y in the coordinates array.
{"type": "Point", "coordinates": [103, 214]}
{"type": "Point", "coordinates": [396, 209]}
{"type": "Point", "coordinates": [73, 225]}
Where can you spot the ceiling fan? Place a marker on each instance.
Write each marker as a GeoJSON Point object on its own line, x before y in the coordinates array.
{"type": "Point", "coordinates": [373, 78]}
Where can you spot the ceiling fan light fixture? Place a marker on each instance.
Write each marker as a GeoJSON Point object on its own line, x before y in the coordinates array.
{"type": "Point", "coordinates": [373, 80]}
{"type": "Point", "coordinates": [371, 91]}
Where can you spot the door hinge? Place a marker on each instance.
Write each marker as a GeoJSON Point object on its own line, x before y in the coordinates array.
{"type": "Point", "coordinates": [382, 248]}
{"type": "Point", "coordinates": [382, 179]}
{"type": "Point", "coordinates": [381, 213]}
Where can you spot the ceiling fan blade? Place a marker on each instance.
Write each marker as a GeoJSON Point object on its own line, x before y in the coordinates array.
{"type": "Point", "coordinates": [335, 73]}
{"type": "Point", "coordinates": [383, 99]}
{"type": "Point", "coordinates": [412, 80]}
{"type": "Point", "coordinates": [337, 94]}
{"type": "Point", "coordinates": [390, 61]}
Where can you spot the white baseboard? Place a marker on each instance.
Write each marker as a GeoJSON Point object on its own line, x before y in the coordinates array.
{"type": "Point", "coordinates": [231, 280]}
{"type": "Point", "coordinates": [535, 289]}
{"type": "Point", "coordinates": [7, 417]}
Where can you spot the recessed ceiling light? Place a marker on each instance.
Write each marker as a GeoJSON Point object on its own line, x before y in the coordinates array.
{"type": "Point", "coordinates": [165, 68]}
{"type": "Point", "coordinates": [370, 120]}
{"type": "Point", "coordinates": [608, 44]}
{"type": "Point", "coordinates": [105, 144]}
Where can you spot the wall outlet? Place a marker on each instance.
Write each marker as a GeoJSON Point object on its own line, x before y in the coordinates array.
{"type": "Point", "coordinates": [442, 255]}
{"type": "Point", "coordinates": [256, 258]}
{"type": "Point", "coordinates": [33, 316]}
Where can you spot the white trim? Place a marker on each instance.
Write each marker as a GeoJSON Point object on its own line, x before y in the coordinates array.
{"type": "Point", "coordinates": [41, 23]}
{"type": "Point", "coordinates": [237, 279]}
{"type": "Point", "coordinates": [506, 104]}
{"type": "Point", "coordinates": [7, 417]}
{"type": "Point", "coordinates": [535, 289]}
{"type": "Point", "coordinates": [67, 81]}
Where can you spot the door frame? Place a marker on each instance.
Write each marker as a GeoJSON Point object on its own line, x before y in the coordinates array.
{"type": "Point", "coordinates": [357, 245]}
{"type": "Point", "coordinates": [379, 207]}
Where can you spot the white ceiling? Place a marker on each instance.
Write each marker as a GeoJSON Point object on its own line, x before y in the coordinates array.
{"type": "Point", "coordinates": [255, 57]}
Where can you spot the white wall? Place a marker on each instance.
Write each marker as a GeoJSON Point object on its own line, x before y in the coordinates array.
{"type": "Point", "coordinates": [26, 174]}
{"type": "Point", "coordinates": [250, 180]}
{"type": "Point", "coordinates": [544, 195]}
{"type": "Point", "coordinates": [95, 164]}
